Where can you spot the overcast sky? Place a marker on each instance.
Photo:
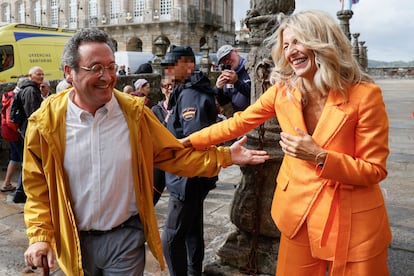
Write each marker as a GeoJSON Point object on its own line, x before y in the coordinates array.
{"type": "Point", "coordinates": [386, 26]}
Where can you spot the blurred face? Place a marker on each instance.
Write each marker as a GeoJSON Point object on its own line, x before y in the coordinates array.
{"type": "Point", "coordinates": [146, 88]}
{"type": "Point", "coordinates": [37, 75]}
{"type": "Point", "coordinates": [44, 88]}
{"type": "Point", "coordinates": [93, 88]}
{"type": "Point", "coordinates": [181, 70]}
{"type": "Point", "coordinates": [301, 59]}
{"type": "Point", "coordinates": [232, 59]}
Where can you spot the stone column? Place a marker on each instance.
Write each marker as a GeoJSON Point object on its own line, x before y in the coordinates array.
{"type": "Point", "coordinates": [363, 58]}
{"type": "Point", "coordinates": [160, 49]}
{"type": "Point", "coordinates": [252, 247]}
{"type": "Point", "coordinates": [355, 47]}
{"type": "Point", "coordinates": [344, 16]}
{"type": "Point", "coordinates": [205, 62]}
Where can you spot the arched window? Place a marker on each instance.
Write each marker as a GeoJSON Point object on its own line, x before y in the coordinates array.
{"type": "Point", "coordinates": [134, 44]}
{"type": "Point", "coordinates": [203, 41]}
{"type": "Point", "coordinates": [115, 43]}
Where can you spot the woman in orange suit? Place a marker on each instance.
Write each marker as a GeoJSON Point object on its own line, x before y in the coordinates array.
{"type": "Point", "coordinates": [328, 204]}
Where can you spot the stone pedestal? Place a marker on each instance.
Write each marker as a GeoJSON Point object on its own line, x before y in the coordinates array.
{"type": "Point", "coordinates": [344, 16]}
{"type": "Point", "coordinates": [355, 46]}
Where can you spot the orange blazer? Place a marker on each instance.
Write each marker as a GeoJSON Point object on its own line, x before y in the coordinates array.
{"type": "Point", "coordinates": [341, 203]}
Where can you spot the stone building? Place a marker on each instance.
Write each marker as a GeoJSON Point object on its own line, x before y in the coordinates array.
{"type": "Point", "coordinates": [135, 25]}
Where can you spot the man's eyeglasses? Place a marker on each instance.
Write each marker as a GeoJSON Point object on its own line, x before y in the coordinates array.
{"type": "Point", "coordinates": [167, 85]}
{"type": "Point", "coordinates": [98, 69]}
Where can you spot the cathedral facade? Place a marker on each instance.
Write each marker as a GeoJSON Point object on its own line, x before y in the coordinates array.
{"type": "Point", "coordinates": [134, 25]}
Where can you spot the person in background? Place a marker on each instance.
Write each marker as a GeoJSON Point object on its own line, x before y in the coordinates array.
{"type": "Point", "coordinates": [143, 89]}
{"type": "Point", "coordinates": [128, 89]}
{"type": "Point", "coordinates": [121, 70]}
{"type": "Point", "coordinates": [328, 204]}
{"type": "Point", "coordinates": [233, 85]}
{"type": "Point", "coordinates": [192, 107]}
{"type": "Point", "coordinates": [31, 98]}
{"type": "Point", "coordinates": [145, 68]}
{"type": "Point", "coordinates": [160, 110]}
{"type": "Point", "coordinates": [62, 85]}
{"type": "Point", "coordinates": [45, 89]}
{"type": "Point", "coordinates": [88, 165]}
{"type": "Point", "coordinates": [10, 134]}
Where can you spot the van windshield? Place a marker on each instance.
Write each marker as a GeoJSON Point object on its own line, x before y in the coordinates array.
{"type": "Point", "coordinates": [6, 57]}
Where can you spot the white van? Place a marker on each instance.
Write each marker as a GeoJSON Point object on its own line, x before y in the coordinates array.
{"type": "Point", "coordinates": [132, 60]}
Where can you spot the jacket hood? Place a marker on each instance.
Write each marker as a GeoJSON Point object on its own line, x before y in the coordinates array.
{"type": "Point", "coordinates": [27, 83]}
{"type": "Point", "coordinates": [197, 81]}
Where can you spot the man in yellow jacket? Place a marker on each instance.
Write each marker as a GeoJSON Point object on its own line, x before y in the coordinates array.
{"type": "Point", "coordinates": [88, 168]}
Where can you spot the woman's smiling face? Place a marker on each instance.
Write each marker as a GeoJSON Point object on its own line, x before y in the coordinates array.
{"type": "Point", "coordinates": [300, 58]}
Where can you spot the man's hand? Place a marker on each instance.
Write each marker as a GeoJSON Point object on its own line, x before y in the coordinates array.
{"type": "Point", "coordinates": [227, 76]}
{"type": "Point", "coordinates": [241, 156]}
{"type": "Point", "coordinates": [33, 254]}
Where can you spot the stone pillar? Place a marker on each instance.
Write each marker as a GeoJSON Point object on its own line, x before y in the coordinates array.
{"type": "Point", "coordinates": [355, 47]}
{"type": "Point", "coordinates": [205, 62]}
{"type": "Point", "coordinates": [252, 247]}
{"type": "Point", "coordinates": [344, 16]}
{"type": "Point", "coordinates": [363, 58]}
{"type": "Point", "coordinates": [160, 49]}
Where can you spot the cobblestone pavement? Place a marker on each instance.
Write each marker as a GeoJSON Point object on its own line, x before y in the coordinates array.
{"type": "Point", "coordinates": [398, 189]}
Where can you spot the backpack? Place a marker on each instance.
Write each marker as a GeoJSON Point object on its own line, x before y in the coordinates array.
{"type": "Point", "coordinates": [8, 127]}
{"type": "Point", "coordinates": [17, 113]}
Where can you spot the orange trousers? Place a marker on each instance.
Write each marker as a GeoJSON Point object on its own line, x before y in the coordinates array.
{"type": "Point", "coordinates": [295, 259]}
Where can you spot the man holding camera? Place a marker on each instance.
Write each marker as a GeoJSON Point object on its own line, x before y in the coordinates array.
{"type": "Point", "coordinates": [233, 84]}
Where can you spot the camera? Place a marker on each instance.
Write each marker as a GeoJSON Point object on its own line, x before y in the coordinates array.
{"type": "Point", "coordinates": [225, 67]}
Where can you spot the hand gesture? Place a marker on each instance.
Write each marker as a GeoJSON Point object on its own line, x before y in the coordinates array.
{"type": "Point", "coordinates": [300, 146]}
{"type": "Point", "coordinates": [241, 155]}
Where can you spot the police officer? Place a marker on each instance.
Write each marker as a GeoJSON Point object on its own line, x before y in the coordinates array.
{"type": "Point", "coordinates": [192, 105]}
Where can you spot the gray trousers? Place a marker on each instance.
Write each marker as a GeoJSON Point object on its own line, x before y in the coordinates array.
{"type": "Point", "coordinates": [116, 252]}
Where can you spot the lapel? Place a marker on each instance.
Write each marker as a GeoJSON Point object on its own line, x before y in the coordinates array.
{"type": "Point", "coordinates": [332, 119]}
{"type": "Point", "coordinates": [330, 122]}
{"type": "Point", "coordinates": [292, 115]}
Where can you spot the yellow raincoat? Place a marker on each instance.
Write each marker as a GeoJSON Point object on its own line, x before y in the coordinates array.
{"type": "Point", "coordinates": [49, 214]}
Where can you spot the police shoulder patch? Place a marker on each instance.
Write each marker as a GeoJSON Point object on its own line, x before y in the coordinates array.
{"type": "Point", "coordinates": [189, 113]}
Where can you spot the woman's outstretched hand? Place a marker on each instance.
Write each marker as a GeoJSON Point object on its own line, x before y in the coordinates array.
{"type": "Point", "coordinates": [241, 155]}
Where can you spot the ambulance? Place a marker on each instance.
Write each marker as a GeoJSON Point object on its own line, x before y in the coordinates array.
{"type": "Point", "coordinates": [23, 46]}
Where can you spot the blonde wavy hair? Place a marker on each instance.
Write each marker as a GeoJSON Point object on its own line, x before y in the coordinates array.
{"type": "Point", "coordinates": [317, 31]}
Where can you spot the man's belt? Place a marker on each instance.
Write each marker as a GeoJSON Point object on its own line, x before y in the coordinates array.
{"type": "Point", "coordinates": [127, 223]}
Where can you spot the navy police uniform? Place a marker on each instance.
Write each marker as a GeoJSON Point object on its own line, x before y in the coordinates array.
{"type": "Point", "coordinates": [192, 107]}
